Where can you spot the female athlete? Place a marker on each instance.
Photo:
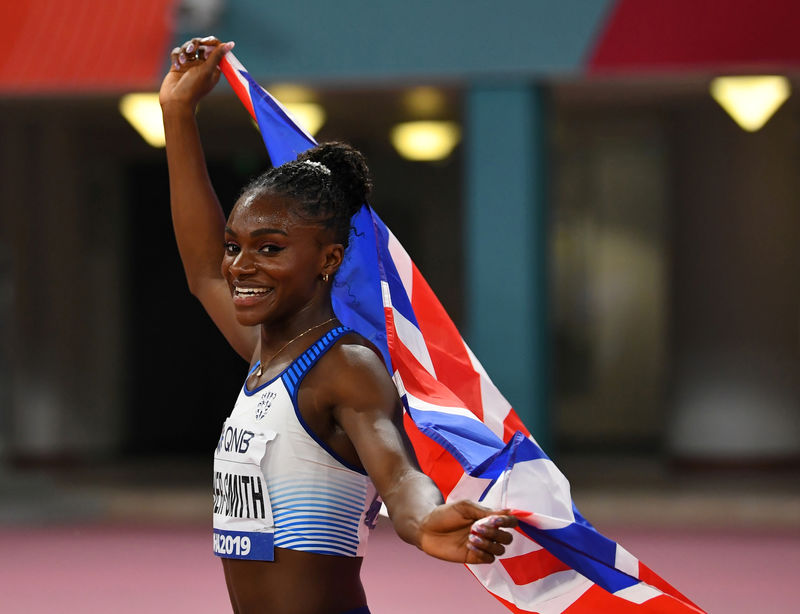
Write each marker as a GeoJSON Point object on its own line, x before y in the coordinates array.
{"type": "Point", "coordinates": [316, 433]}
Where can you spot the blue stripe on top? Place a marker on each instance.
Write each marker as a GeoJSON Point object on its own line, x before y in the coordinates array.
{"type": "Point", "coordinates": [294, 373]}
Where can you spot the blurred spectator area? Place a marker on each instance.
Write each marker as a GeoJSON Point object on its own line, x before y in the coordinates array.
{"type": "Point", "coordinates": [671, 236]}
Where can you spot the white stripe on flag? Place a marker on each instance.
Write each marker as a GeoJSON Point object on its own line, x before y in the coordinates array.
{"type": "Point", "coordinates": [550, 595]}
{"type": "Point", "coordinates": [495, 405]}
{"type": "Point", "coordinates": [471, 488]}
{"type": "Point", "coordinates": [411, 337]}
{"type": "Point", "coordinates": [626, 562]}
{"type": "Point", "coordinates": [520, 546]}
{"type": "Point", "coordinates": [402, 261]}
{"type": "Point", "coordinates": [639, 593]}
{"type": "Point", "coordinates": [539, 487]}
{"type": "Point", "coordinates": [398, 383]}
{"type": "Point", "coordinates": [408, 334]}
{"type": "Point", "coordinates": [237, 71]}
{"type": "Point", "coordinates": [421, 405]}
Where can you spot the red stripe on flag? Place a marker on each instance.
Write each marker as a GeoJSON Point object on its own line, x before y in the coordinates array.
{"type": "Point", "coordinates": [445, 346]}
{"type": "Point", "coordinates": [433, 459]}
{"type": "Point", "coordinates": [597, 600]}
{"type": "Point", "coordinates": [238, 87]}
{"type": "Point", "coordinates": [511, 425]}
{"type": "Point", "coordinates": [527, 568]}
{"type": "Point", "coordinates": [648, 576]}
{"type": "Point", "coordinates": [416, 378]}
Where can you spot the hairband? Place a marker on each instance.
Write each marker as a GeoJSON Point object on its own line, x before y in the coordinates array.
{"type": "Point", "coordinates": [318, 165]}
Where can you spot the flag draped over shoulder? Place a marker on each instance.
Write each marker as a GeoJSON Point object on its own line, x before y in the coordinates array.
{"type": "Point", "coordinates": [466, 436]}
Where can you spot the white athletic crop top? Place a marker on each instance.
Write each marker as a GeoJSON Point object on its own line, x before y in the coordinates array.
{"type": "Point", "coordinates": [277, 484]}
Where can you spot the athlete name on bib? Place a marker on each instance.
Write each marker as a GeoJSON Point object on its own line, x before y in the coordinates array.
{"type": "Point", "coordinates": [243, 525]}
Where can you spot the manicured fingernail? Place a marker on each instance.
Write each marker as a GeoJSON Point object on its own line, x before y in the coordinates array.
{"type": "Point", "coordinates": [182, 58]}
{"type": "Point", "coordinates": [229, 45]}
{"type": "Point", "coordinates": [475, 539]}
{"type": "Point", "coordinates": [479, 528]}
{"type": "Point", "coordinates": [495, 521]}
{"type": "Point", "coordinates": [189, 47]}
{"type": "Point", "coordinates": [473, 548]}
{"type": "Point", "coordinates": [206, 51]}
{"type": "Point", "coordinates": [176, 66]}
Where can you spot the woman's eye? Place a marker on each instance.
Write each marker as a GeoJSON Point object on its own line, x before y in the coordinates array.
{"type": "Point", "coordinates": [270, 249]}
{"type": "Point", "coordinates": [231, 248]}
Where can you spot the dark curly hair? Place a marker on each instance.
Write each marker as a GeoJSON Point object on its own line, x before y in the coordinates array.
{"type": "Point", "coordinates": [329, 183]}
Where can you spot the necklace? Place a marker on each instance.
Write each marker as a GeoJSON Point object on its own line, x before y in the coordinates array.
{"type": "Point", "coordinates": [271, 358]}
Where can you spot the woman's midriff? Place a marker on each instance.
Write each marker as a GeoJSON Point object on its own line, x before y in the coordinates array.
{"type": "Point", "coordinates": [295, 583]}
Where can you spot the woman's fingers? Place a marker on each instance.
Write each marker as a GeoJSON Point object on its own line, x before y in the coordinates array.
{"type": "Point", "coordinates": [476, 555]}
{"type": "Point", "coordinates": [496, 535]}
{"type": "Point", "coordinates": [215, 55]}
{"type": "Point", "coordinates": [193, 50]}
{"type": "Point", "coordinates": [487, 539]}
{"type": "Point", "coordinates": [486, 545]}
{"type": "Point", "coordinates": [173, 56]}
{"type": "Point", "coordinates": [491, 531]}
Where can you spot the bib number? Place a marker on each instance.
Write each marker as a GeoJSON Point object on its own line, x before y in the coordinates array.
{"type": "Point", "coordinates": [243, 525]}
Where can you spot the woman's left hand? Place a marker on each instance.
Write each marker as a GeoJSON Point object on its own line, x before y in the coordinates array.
{"type": "Point", "coordinates": [451, 532]}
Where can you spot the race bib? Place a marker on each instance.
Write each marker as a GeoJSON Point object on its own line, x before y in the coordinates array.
{"type": "Point", "coordinates": [243, 526]}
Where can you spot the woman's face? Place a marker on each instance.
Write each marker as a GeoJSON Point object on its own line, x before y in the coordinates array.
{"type": "Point", "coordinates": [273, 261]}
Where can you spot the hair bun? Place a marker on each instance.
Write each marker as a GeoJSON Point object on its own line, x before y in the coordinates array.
{"type": "Point", "coordinates": [349, 171]}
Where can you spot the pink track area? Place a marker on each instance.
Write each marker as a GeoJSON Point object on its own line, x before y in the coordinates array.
{"type": "Point", "coordinates": [135, 569]}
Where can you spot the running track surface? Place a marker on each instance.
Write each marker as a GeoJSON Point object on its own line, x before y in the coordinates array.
{"type": "Point", "coordinates": [118, 569]}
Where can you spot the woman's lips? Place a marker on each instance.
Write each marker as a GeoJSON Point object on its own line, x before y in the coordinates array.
{"type": "Point", "coordinates": [245, 296]}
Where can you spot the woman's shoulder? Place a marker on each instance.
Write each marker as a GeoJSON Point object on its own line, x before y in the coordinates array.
{"type": "Point", "coordinates": [354, 351]}
{"type": "Point", "coordinates": [355, 366]}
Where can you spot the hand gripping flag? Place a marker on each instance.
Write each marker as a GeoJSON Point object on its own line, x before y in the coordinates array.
{"type": "Point", "coordinates": [466, 436]}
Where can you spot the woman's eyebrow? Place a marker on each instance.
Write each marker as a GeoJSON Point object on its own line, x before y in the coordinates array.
{"type": "Point", "coordinates": [258, 231]}
{"type": "Point", "coordinates": [268, 231]}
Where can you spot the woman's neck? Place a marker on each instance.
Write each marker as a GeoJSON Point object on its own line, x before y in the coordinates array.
{"type": "Point", "coordinates": [277, 335]}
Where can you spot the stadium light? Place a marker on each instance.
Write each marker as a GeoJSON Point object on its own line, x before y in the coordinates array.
{"type": "Point", "coordinates": [144, 113]}
{"type": "Point", "coordinates": [750, 100]}
{"type": "Point", "coordinates": [425, 141]}
{"type": "Point", "coordinates": [309, 115]}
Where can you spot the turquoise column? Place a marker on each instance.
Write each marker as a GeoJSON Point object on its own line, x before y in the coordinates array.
{"type": "Point", "coordinates": [506, 250]}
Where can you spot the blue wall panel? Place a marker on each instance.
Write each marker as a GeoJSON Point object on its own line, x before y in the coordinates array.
{"type": "Point", "coordinates": [354, 40]}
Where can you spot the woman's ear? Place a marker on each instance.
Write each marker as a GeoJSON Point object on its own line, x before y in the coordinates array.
{"type": "Point", "coordinates": [332, 258]}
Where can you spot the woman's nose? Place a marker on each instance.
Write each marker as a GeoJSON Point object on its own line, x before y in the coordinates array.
{"type": "Point", "coordinates": [242, 263]}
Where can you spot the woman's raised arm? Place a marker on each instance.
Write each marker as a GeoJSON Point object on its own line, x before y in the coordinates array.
{"type": "Point", "coordinates": [197, 217]}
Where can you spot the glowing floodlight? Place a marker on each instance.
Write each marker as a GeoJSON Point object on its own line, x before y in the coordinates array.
{"type": "Point", "coordinates": [144, 113]}
{"type": "Point", "coordinates": [425, 140]}
{"type": "Point", "coordinates": [750, 101]}
{"type": "Point", "coordinates": [309, 115]}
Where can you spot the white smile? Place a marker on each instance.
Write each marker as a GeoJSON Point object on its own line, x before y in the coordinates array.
{"type": "Point", "coordinates": [250, 291]}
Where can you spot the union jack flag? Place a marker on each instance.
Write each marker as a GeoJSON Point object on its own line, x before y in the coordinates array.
{"type": "Point", "coordinates": [466, 436]}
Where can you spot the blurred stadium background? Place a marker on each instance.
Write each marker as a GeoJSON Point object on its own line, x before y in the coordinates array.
{"type": "Point", "coordinates": [592, 197]}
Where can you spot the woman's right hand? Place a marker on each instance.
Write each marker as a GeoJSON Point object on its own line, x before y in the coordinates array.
{"type": "Point", "coordinates": [194, 72]}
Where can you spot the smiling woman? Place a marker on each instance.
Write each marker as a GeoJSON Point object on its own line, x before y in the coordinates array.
{"type": "Point", "coordinates": [315, 438]}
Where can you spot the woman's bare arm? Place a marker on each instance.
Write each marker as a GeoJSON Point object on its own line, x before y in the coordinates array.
{"type": "Point", "coordinates": [196, 213]}
{"type": "Point", "coordinates": [369, 411]}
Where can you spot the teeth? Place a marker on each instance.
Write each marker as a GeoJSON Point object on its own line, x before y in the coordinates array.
{"type": "Point", "coordinates": [251, 291]}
